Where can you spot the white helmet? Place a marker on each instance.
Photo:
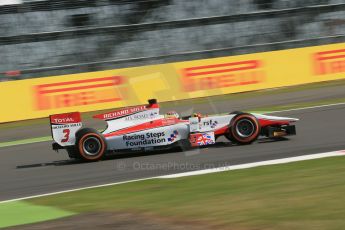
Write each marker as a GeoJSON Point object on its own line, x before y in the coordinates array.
{"type": "Point", "coordinates": [172, 114]}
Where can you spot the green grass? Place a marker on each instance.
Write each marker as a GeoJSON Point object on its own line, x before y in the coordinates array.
{"type": "Point", "coordinates": [303, 195]}
{"type": "Point", "coordinates": [21, 212]}
{"type": "Point", "coordinates": [25, 141]}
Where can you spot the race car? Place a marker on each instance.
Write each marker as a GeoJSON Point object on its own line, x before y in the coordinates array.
{"type": "Point", "coordinates": [143, 128]}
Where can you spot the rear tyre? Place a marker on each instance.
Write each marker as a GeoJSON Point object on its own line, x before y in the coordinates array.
{"type": "Point", "coordinates": [90, 144]}
{"type": "Point", "coordinates": [73, 152]}
{"type": "Point", "coordinates": [244, 129]}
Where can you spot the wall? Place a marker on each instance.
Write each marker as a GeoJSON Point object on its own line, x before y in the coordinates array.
{"type": "Point", "coordinates": [40, 97]}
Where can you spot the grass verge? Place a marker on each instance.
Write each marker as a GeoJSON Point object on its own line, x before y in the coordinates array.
{"type": "Point", "coordinates": [21, 212]}
{"type": "Point", "coordinates": [25, 141]}
{"type": "Point", "coordinates": [302, 195]}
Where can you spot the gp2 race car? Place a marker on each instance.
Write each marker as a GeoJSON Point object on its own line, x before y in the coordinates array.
{"type": "Point", "coordinates": [142, 128]}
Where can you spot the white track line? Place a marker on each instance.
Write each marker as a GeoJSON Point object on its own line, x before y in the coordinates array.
{"type": "Point", "coordinates": [199, 172]}
{"type": "Point", "coordinates": [310, 107]}
{"type": "Point", "coordinates": [206, 171]}
{"type": "Point", "coordinates": [257, 164]}
{"type": "Point", "coordinates": [74, 190]}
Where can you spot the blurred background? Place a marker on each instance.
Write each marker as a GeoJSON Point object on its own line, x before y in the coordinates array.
{"type": "Point", "coordinates": [45, 38]}
{"type": "Point", "coordinates": [42, 38]}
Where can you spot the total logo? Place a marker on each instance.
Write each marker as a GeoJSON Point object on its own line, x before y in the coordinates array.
{"type": "Point", "coordinates": [63, 120]}
{"type": "Point", "coordinates": [210, 123]}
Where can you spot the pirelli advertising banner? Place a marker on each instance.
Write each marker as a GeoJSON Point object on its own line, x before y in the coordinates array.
{"type": "Point", "coordinates": [36, 98]}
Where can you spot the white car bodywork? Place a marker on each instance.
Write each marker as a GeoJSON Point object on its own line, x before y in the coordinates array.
{"type": "Point", "coordinates": [143, 127]}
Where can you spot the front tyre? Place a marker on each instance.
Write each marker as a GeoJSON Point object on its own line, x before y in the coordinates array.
{"type": "Point", "coordinates": [244, 129]}
{"type": "Point", "coordinates": [91, 144]}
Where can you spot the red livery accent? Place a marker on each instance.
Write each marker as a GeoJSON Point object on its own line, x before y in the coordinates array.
{"type": "Point", "coordinates": [221, 131]}
{"type": "Point", "coordinates": [120, 113]}
{"type": "Point", "coordinates": [125, 112]}
{"type": "Point", "coordinates": [65, 118]}
{"type": "Point", "coordinates": [199, 139]}
{"type": "Point", "coordinates": [143, 128]}
{"type": "Point", "coordinates": [66, 133]}
{"type": "Point", "coordinates": [148, 125]}
{"type": "Point", "coordinates": [266, 122]}
{"type": "Point", "coordinates": [153, 106]}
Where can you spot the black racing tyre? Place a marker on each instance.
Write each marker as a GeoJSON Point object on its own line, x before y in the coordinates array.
{"type": "Point", "coordinates": [244, 129]}
{"type": "Point", "coordinates": [90, 144]}
{"type": "Point", "coordinates": [236, 112]}
{"type": "Point", "coordinates": [73, 152]}
{"type": "Point", "coordinates": [184, 145]}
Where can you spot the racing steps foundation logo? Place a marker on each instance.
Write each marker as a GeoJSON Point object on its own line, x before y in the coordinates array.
{"type": "Point", "coordinates": [173, 136]}
{"type": "Point", "coordinates": [222, 75]}
{"type": "Point", "coordinates": [329, 62]}
{"type": "Point", "coordinates": [142, 140]}
{"type": "Point", "coordinates": [77, 93]}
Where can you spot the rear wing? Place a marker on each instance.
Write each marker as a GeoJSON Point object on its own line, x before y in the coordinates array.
{"type": "Point", "coordinates": [129, 116]}
{"type": "Point", "coordinates": [132, 113]}
{"type": "Point", "coordinates": [64, 127]}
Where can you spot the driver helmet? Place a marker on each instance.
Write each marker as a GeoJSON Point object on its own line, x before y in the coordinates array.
{"type": "Point", "coordinates": [199, 115]}
{"type": "Point", "coordinates": [172, 114]}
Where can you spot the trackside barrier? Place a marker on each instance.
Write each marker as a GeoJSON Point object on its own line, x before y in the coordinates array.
{"type": "Point", "coordinates": [40, 97]}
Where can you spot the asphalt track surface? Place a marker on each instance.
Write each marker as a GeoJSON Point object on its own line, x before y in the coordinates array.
{"type": "Point", "coordinates": [33, 169]}
{"type": "Point", "coordinates": [213, 105]}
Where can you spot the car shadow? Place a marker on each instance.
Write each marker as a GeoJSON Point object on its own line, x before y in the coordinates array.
{"type": "Point", "coordinates": [115, 156]}
{"type": "Point", "coordinates": [108, 157]}
{"type": "Point", "coordinates": [54, 163]}
{"type": "Point", "coordinates": [270, 140]}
